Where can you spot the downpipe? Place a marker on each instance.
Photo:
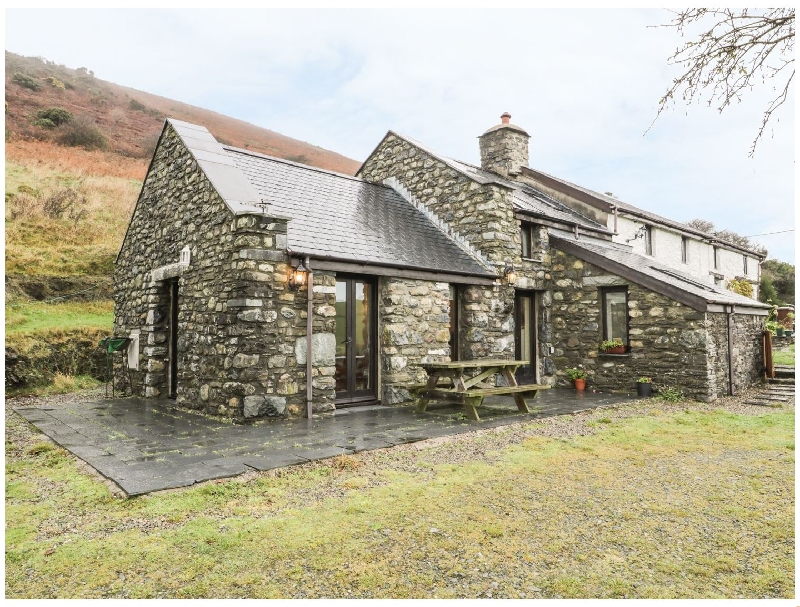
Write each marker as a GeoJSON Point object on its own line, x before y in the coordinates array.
{"type": "Point", "coordinates": [730, 312]}
{"type": "Point", "coordinates": [309, 329]}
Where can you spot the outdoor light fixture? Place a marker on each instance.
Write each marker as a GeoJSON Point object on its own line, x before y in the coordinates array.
{"type": "Point", "coordinates": [298, 277]}
{"type": "Point", "coordinates": [510, 274]}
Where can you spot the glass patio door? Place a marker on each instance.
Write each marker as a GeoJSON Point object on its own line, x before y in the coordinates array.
{"type": "Point", "coordinates": [526, 336]}
{"type": "Point", "coordinates": [356, 359]}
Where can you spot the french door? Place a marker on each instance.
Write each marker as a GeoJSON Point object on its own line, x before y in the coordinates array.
{"type": "Point", "coordinates": [356, 322]}
{"type": "Point", "coordinates": [526, 337]}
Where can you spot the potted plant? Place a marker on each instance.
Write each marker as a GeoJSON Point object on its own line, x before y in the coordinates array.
{"type": "Point", "coordinates": [578, 376]}
{"type": "Point", "coordinates": [612, 346]}
{"type": "Point", "coordinates": [788, 324]}
{"type": "Point", "coordinates": [644, 386]}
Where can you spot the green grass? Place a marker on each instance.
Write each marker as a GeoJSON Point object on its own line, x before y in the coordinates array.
{"type": "Point", "coordinates": [664, 505]}
{"type": "Point", "coordinates": [35, 317]}
{"type": "Point", "coordinates": [784, 356]}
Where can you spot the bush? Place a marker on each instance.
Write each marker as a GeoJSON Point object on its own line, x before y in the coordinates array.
{"type": "Point", "coordinates": [742, 287]}
{"type": "Point", "coordinates": [55, 82]}
{"type": "Point", "coordinates": [136, 106]}
{"type": "Point", "coordinates": [45, 123]}
{"type": "Point", "coordinates": [26, 81]}
{"type": "Point", "coordinates": [670, 394]}
{"type": "Point", "coordinates": [82, 132]}
{"type": "Point", "coordinates": [56, 115]}
{"type": "Point", "coordinates": [66, 203]}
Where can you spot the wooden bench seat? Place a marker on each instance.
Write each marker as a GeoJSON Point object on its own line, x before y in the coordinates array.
{"type": "Point", "coordinates": [473, 397]}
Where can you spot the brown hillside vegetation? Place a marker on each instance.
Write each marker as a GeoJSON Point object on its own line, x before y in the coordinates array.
{"type": "Point", "coordinates": [128, 120]}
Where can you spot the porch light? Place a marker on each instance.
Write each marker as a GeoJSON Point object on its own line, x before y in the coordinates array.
{"type": "Point", "coordinates": [510, 274]}
{"type": "Point", "coordinates": [298, 278]}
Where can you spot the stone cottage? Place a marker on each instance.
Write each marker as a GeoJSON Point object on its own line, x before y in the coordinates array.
{"type": "Point", "coordinates": [243, 276]}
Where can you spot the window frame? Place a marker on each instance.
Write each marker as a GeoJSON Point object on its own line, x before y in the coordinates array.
{"type": "Point", "coordinates": [716, 257]}
{"type": "Point", "coordinates": [526, 239]}
{"type": "Point", "coordinates": [648, 240]}
{"type": "Point", "coordinates": [684, 249]}
{"type": "Point", "coordinates": [604, 313]}
{"type": "Point", "coordinates": [744, 264]}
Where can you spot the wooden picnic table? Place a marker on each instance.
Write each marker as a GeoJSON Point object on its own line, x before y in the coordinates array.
{"type": "Point", "coordinates": [456, 382]}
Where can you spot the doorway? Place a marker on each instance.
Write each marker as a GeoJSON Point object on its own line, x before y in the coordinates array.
{"type": "Point", "coordinates": [526, 336]}
{"type": "Point", "coordinates": [356, 322]}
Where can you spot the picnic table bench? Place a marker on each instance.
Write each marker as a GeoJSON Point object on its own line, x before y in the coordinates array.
{"type": "Point", "coordinates": [458, 381]}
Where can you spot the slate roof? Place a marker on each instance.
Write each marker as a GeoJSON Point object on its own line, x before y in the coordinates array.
{"type": "Point", "coordinates": [634, 210]}
{"type": "Point", "coordinates": [525, 198]}
{"type": "Point", "coordinates": [345, 218]}
{"type": "Point", "coordinates": [646, 271]}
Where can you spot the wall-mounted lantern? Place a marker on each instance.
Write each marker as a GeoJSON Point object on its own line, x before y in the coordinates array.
{"type": "Point", "coordinates": [510, 275]}
{"type": "Point", "coordinates": [298, 277]}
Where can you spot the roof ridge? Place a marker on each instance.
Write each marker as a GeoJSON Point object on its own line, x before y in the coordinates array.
{"type": "Point", "coordinates": [299, 165]}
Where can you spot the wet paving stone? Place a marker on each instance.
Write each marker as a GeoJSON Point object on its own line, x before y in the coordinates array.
{"type": "Point", "coordinates": [146, 445]}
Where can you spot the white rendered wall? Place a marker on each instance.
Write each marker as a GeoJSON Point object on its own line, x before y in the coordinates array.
{"type": "Point", "coordinates": [700, 255]}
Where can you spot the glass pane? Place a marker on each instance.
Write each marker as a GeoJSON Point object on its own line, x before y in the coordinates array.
{"type": "Point", "coordinates": [363, 359]}
{"type": "Point", "coordinates": [617, 316]}
{"type": "Point", "coordinates": [525, 329]}
{"type": "Point", "coordinates": [453, 323]}
{"type": "Point", "coordinates": [341, 335]}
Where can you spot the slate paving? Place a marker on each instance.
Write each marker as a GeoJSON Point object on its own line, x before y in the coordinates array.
{"type": "Point", "coordinates": [148, 445]}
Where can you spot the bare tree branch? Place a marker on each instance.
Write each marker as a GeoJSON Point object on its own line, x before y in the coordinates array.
{"type": "Point", "coordinates": [737, 52]}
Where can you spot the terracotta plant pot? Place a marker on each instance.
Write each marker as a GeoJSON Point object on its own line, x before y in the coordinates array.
{"type": "Point", "coordinates": [617, 350]}
{"type": "Point", "coordinates": [644, 388]}
{"type": "Point", "coordinates": [580, 384]}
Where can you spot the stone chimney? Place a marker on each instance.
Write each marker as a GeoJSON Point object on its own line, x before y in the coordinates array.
{"type": "Point", "coordinates": [504, 148]}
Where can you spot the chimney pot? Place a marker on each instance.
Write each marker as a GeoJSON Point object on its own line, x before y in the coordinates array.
{"type": "Point", "coordinates": [505, 117]}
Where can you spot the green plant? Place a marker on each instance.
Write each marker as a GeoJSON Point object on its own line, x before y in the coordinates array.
{"type": "Point", "coordinates": [26, 81]}
{"type": "Point", "coordinates": [136, 106]}
{"type": "Point", "coordinates": [670, 394]}
{"type": "Point", "coordinates": [576, 373]}
{"type": "Point", "coordinates": [45, 123]}
{"type": "Point", "coordinates": [56, 115]}
{"type": "Point", "coordinates": [609, 344]}
{"type": "Point", "coordinates": [82, 132]}
{"type": "Point", "coordinates": [740, 286]}
{"type": "Point", "coordinates": [788, 321]}
{"type": "Point", "coordinates": [55, 82]}
{"type": "Point", "coordinates": [645, 380]}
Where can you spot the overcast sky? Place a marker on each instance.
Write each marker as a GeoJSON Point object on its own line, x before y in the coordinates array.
{"type": "Point", "coordinates": [584, 83]}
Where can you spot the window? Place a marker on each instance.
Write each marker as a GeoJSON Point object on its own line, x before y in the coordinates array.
{"type": "Point", "coordinates": [454, 297]}
{"type": "Point", "coordinates": [716, 258]}
{"type": "Point", "coordinates": [648, 240]}
{"type": "Point", "coordinates": [684, 249]}
{"type": "Point", "coordinates": [615, 314]}
{"type": "Point", "coordinates": [525, 238]}
{"type": "Point", "coordinates": [744, 264]}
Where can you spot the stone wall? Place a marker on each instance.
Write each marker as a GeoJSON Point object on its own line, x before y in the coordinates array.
{"type": "Point", "coordinates": [748, 358]}
{"type": "Point", "coordinates": [668, 340]}
{"type": "Point", "coordinates": [238, 325]}
{"type": "Point", "coordinates": [482, 214]}
{"type": "Point", "coordinates": [415, 329]}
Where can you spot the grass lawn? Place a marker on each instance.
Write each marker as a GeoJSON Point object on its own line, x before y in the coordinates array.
{"type": "Point", "coordinates": [784, 356]}
{"type": "Point", "coordinates": [34, 316]}
{"type": "Point", "coordinates": [653, 500]}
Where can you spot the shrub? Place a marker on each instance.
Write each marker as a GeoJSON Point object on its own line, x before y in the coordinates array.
{"type": "Point", "coordinates": [82, 132]}
{"type": "Point", "coordinates": [136, 106]}
{"type": "Point", "coordinates": [742, 287]}
{"type": "Point", "coordinates": [55, 82]}
{"type": "Point", "coordinates": [56, 115]}
{"type": "Point", "coordinates": [45, 123]}
{"type": "Point", "coordinates": [64, 203]}
{"type": "Point", "coordinates": [26, 81]}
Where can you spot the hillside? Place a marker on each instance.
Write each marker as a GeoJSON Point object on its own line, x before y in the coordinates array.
{"type": "Point", "coordinates": [77, 149]}
{"type": "Point", "coordinates": [130, 120]}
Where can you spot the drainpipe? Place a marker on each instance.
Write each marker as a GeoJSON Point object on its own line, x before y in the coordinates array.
{"type": "Point", "coordinates": [309, 325]}
{"type": "Point", "coordinates": [731, 311]}
{"type": "Point", "coordinates": [616, 219]}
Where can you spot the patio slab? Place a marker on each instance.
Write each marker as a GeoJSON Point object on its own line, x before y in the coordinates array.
{"type": "Point", "coordinates": [148, 445]}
